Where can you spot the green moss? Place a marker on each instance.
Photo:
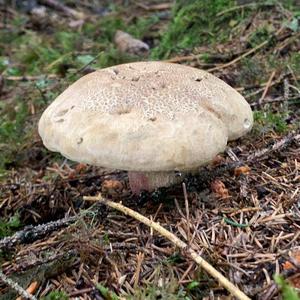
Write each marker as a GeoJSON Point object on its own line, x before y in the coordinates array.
{"type": "Point", "coordinates": [35, 54]}
{"type": "Point", "coordinates": [173, 259]}
{"type": "Point", "coordinates": [260, 35]}
{"type": "Point", "coordinates": [103, 30]}
{"type": "Point", "coordinates": [164, 285]}
{"type": "Point", "coordinates": [8, 227]}
{"type": "Point", "coordinates": [292, 5]}
{"type": "Point", "coordinates": [114, 57]}
{"type": "Point", "coordinates": [106, 293]}
{"type": "Point", "coordinates": [287, 291]}
{"type": "Point", "coordinates": [67, 41]}
{"type": "Point", "coordinates": [56, 295]}
{"type": "Point", "coordinates": [267, 121]}
{"type": "Point", "coordinates": [4, 63]}
{"type": "Point", "coordinates": [13, 118]}
{"type": "Point", "coordinates": [163, 288]}
{"type": "Point", "coordinates": [194, 23]}
{"type": "Point", "coordinates": [142, 26]}
{"type": "Point", "coordinates": [251, 71]}
{"type": "Point", "coordinates": [294, 63]}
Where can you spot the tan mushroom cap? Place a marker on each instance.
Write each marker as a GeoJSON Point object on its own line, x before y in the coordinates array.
{"type": "Point", "coordinates": [145, 116]}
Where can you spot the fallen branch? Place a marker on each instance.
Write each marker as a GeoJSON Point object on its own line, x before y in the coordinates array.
{"type": "Point", "coordinates": [26, 262]}
{"type": "Point", "coordinates": [263, 88]}
{"type": "Point", "coordinates": [212, 56]}
{"type": "Point", "coordinates": [266, 88]}
{"type": "Point", "coordinates": [276, 146]}
{"type": "Point", "coordinates": [240, 7]}
{"type": "Point", "coordinates": [29, 78]}
{"type": "Point", "coordinates": [33, 233]}
{"type": "Point", "coordinates": [177, 242]}
{"type": "Point", "coordinates": [263, 85]}
{"type": "Point", "coordinates": [31, 289]}
{"type": "Point", "coordinates": [14, 285]}
{"type": "Point", "coordinates": [24, 270]}
{"type": "Point", "coordinates": [276, 100]}
{"type": "Point", "coordinates": [90, 62]}
{"type": "Point", "coordinates": [161, 6]}
{"type": "Point", "coordinates": [63, 8]}
{"type": "Point", "coordinates": [179, 59]}
{"type": "Point", "coordinates": [264, 43]}
{"type": "Point", "coordinates": [261, 45]}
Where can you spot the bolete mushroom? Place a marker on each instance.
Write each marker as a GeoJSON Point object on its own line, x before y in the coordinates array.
{"type": "Point", "coordinates": [149, 118]}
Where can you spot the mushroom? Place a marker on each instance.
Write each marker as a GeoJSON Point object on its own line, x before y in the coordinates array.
{"type": "Point", "coordinates": [149, 118]}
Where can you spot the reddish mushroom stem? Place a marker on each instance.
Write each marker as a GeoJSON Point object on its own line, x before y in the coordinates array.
{"type": "Point", "coordinates": [149, 181]}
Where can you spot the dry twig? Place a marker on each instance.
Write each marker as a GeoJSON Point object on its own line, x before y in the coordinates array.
{"type": "Point", "coordinates": [14, 285]}
{"type": "Point", "coordinates": [160, 6]}
{"type": "Point", "coordinates": [29, 78]}
{"type": "Point", "coordinates": [261, 45]}
{"type": "Point", "coordinates": [177, 242]}
{"type": "Point", "coordinates": [243, 6]}
{"type": "Point", "coordinates": [266, 88]}
{"type": "Point", "coordinates": [63, 8]}
{"type": "Point", "coordinates": [278, 145]}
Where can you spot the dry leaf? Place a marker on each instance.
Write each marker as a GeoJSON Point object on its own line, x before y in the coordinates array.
{"type": "Point", "coordinates": [128, 44]}
{"type": "Point", "coordinates": [31, 289]}
{"type": "Point", "coordinates": [72, 175]}
{"type": "Point", "coordinates": [80, 167]}
{"type": "Point", "coordinates": [294, 257]}
{"type": "Point", "coordinates": [294, 262]}
{"type": "Point", "coordinates": [241, 170]}
{"type": "Point", "coordinates": [218, 160]}
{"type": "Point", "coordinates": [295, 281]}
{"type": "Point", "coordinates": [111, 186]}
{"type": "Point", "coordinates": [218, 187]}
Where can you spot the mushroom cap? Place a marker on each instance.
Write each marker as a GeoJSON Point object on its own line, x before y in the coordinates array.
{"type": "Point", "coordinates": [145, 116]}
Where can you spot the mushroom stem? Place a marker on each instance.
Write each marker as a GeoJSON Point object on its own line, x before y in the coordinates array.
{"type": "Point", "coordinates": [149, 181]}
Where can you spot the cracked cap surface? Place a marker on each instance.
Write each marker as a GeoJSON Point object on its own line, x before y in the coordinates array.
{"type": "Point", "coordinates": [145, 116]}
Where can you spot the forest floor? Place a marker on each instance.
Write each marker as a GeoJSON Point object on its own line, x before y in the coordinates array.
{"type": "Point", "coordinates": [244, 208]}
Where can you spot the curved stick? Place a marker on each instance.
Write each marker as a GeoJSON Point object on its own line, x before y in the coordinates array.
{"type": "Point", "coordinates": [176, 241]}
